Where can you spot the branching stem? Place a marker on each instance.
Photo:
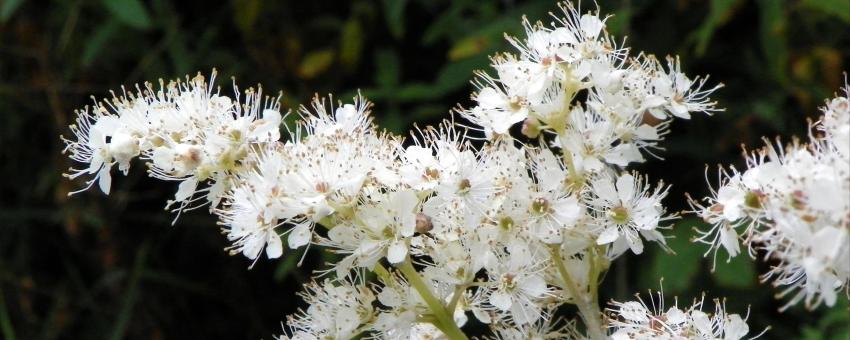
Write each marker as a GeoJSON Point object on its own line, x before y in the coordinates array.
{"type": "Point", "coordinates": [444, 321]}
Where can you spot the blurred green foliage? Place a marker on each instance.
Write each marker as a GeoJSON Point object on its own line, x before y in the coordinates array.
{"type": "Point", "coordinates": [97, 268]}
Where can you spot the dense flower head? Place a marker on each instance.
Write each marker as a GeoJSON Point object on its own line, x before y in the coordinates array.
{"type": "Point", "coordinates": [792, 205]}
{"type": "Point", "coordinates": [458, 222]}
{"type": "Point", "coordinates": [185, 131]}
{"type": "Point", "coordinates": [635, 320]}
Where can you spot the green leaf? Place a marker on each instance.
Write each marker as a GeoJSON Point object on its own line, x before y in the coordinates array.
{"type": "Point", "coordinates": [738, 273]}
{"type": "Point", "coordinates": [837, 8]}
{"type": "Point", "coordinates": [619, 23]}
{"type": "Point", "coordinates": [315, 63]}
{"type": "Point", "coordinates": [721, 11]}
{"type": "Point", "coordinates": [245, 13]}
{"type": "Point", "coordinates": [468, 47]}
{"type": "Point", "coordinates": [773, 21]}
{"type": "Point", "coordinates": [129, 12]}
{"type": "Point", "coordinates": [456, 75]}
{"type": "Point", "coordinates": [394, 13]}
{"type": "Point", "coordinates": [351, 43]}
{"type": "Point", "coordinates": [8, 7]}
{"type": "Point", "coordinates": [389, 74]}
{"type": "Point", "coordinates": [126, 312]}
{"type": "Point", "coordinates": [94, 44]}
{"type": "Point", "coordinates": [5, 323]}
{"type": "Point", "coordinates": [678, 270]}
{"type": "Point", "coordinates": [836, 323]}
{"type": "Point", "coordinates": [285, 267]}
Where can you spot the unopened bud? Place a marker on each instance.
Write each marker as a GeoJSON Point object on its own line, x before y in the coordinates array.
{"type": "Point", "coordinates": [423, 223]}
{"type": "Point", "coordinates": [531, 128]}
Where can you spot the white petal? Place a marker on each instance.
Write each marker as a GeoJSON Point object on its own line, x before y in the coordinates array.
{"type": "Point", "coordinates": [397, 252]}
{"type": "Point", "coordinates": [679, 110]}
{"type": "Point", "coordinates": [299, 236]}
{"type": "Point", "coordinates": [591, 26]}
{"type": "Point", "coordinates": [501, 300]}
{"type": "Point", "coordinates": [635, 242]}
{"type": "Point", "coordinates": [729, 240]}
{"type": "Point", "coordinates": [274, 247]}
{"type": "Point", "coordinates": [252, 247]}
{"type": "Point", "coordinates": [186, 189]}
{"type": "Point", "coordinates": [604, 188]}
{"type": "Point", "coordinates": [96, 162]}
{"type": "Point", "coordinates": [481, 315]}
{"type": "Point", "coordinates": [608, 235]}
{"type": "Point", "coordinates": [701, 322]}
{"type": "Point", "coordinates": [107, 125]}
{"type": "Point", "coordinates": [626, 187]}
{"type": "Point", "coordinates": [653, 101]}
{"type": "Point", "coordinates": [647, 132]}
{"type": "Point", "coordinates": [534, 286]}
{"type": "Point", "coordinates": [634, 311]}
{"type": "Point", "coordinates": [735, 328]}
{"type": "Point", "coordinates": [104, 179]}
{"type": "Point", "coordinates": [490, 98]}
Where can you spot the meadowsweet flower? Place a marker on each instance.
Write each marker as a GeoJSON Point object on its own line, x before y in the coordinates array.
{"type": "Point", "coordinates": [676, 94]}
{"type": "Point", "coordinates": [551, 207]}
{"type": "Point", "coordinates": [451, 222]}
{"type": "Point", "coordinates": [517, 283]}
{"type": "Point", "coordinates": [337, 310]}
{"type": "Point", "coordinates": [626, 210]}
{"type": "Point", "coordinates": [545, 328]}
{"type": "Point", "coordinates": [637, 320]}
{"type": "Point", "coordinates": [791, 205]}
{"type": "Point", "coordinates": [184, 130]}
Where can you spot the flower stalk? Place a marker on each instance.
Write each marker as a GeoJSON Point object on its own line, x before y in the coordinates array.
{"type": "Point", "coordinates": [587, 303]}
{"type": "Point", "coordinates": [444, 321]}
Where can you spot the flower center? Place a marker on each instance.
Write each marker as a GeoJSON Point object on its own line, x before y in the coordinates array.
{"type": "Point", "coordinates": [506, 223]}
{"type": "Point", "coordinates": [431, 173]}
{"type": "Point", "coordinates": [619, 215]}
{"type": "Point", "coordinates": [463, 186]}
{"type": "Point", "coordinates": [753, 199]}
{"type": "Point", "coordinates": [508, 281]}
{"type": "Point", "coordinates": [540, 205]}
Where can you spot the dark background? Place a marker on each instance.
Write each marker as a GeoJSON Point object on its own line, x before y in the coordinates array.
{"type": "Point", "coordinates": [97, 267]}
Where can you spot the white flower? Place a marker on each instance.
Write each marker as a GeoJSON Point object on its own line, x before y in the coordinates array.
{"type": "Point", "coordinates": [625, 210]}
{"type": "Point", "coordinates": [245, 227]}
{"type": "Point", "coordinates": [184, 130]}
{"type": "Point", "coordinates": [381, 229]}
{"type": "Point", "coordinates": [792, 203]}
{"type": "Point", "coordinates": [546, 327]}
{"type": "Point", "coordinates": [678, 95]}
{"type": "Point", "coordinates": [550, 207]}
{"type": "Point", "coordinates": [336, 311]}
{"type": "Point", "coordinates": [480, 216]}
{"type": "Point", "coordinates": [635, 320]}
{"type": "Point", "coordinates": [92, 129]}
{"type": "Point", "coordinates": [516, 283]}
{"type": "Point", "coordinates": [497, 111]}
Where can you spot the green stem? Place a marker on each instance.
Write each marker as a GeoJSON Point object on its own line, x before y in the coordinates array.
{"type": "Point", "coordinates": [444, 321]}
{"type": "Point", "coordinates": [456, 297]}
{"type": "Point", "coordinates": [587, 305]}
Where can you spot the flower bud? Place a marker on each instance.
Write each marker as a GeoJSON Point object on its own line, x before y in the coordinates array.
{"type": "Point", "coordinates": [531, 128]}
{"type": "Point", "coordinates": [423, 223]}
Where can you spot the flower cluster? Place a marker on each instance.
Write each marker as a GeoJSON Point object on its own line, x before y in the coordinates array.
{"type": "Point", "coordinates": [455, 223]}
{"type": "Point", "coordinates": [793, 205]}
{"type": "Point", "coordinates": [184, 130]}
{"type": "Point", "coordinates": [635, 320]}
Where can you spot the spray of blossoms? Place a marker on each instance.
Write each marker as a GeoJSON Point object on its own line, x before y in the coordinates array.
{"type": "Point", "coordinates": [791, 206]}
{"type": "Point", "coordinates": [452, 224]}
{"type": "Point", "coordinates": [185, 131]}
{"type": "Point", "coordinates": [639, 320]}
